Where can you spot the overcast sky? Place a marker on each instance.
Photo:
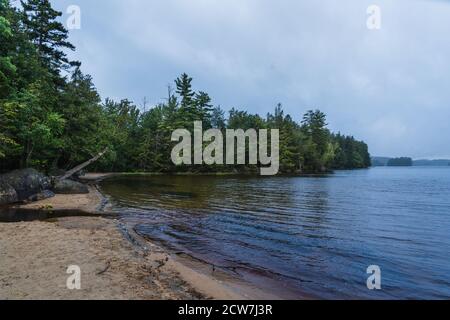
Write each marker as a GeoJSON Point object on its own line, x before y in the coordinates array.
{"type": "Point", "coordinates": [389, 87]}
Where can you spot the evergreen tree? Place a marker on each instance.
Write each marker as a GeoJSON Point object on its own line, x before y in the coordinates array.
{"type": "Point", "coordinates": [47, 120]}
{"type": "Point", "coordinates": [184, 89]}
{"type": "Point", "coordinates": [83, 134]}
{"type": "Point", "coordinates": [6, 72]}
{"type": "Point", "coordinates": [203, 108]}
{"type": "Point", "coordinates": [319, 150]}
{"type": "Point", "coordinates": [290, 157]}
{"type": "Point", "coordinates": [49, 35]}
{"type": "Point", "coordinates": [218, 118]}
{"type": "Point", "coordinates": [7, 68]}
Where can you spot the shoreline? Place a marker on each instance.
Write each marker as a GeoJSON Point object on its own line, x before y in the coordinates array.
{"type": "Point", "coordinates": [97, 177]}
{"type": "Point", "coordinates": [115, 262]}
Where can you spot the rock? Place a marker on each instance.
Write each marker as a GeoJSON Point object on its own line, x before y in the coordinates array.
{"type": "Point", "coordinates": [41, 196]}
{"type": "Point", "coordinates": [7, 193]}
{"type": "Point", "coordinates": [26, 182]}
{"type": "Point", "coordinates": [70, 187]}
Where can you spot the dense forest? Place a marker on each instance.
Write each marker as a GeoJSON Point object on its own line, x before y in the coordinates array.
{"type": "Point", "coordinates": [405, 162]}
{"type": "Point", "coordinates": [400, 162]}
{"type": "Point", "coordinates": [51, 115]}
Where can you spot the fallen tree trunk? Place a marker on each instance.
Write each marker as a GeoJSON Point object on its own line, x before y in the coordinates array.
{"type": "Point", "coordinates": [83, 165]}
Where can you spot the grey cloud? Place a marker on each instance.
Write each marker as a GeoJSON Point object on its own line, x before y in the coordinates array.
{"type": "Point", "coordinates": [387, 87]}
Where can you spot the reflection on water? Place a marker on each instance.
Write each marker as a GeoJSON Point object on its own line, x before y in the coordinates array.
{"type": "Point", "coordinates": [313, 235]}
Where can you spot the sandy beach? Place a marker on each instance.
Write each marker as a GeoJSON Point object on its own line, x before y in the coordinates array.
{"type": "Point", "coordinates": [115, 262]}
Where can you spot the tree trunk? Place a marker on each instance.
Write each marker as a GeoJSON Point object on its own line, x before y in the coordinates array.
{"type": "Point", "coordinates": [30, 148]}
{"type": "Point", "coordinates": [83, 165]}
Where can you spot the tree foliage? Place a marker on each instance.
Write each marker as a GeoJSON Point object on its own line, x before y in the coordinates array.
{"type": "Point", "coordinates": [51, 115]}
{"type": "Point", "coordinates": [400, 162]}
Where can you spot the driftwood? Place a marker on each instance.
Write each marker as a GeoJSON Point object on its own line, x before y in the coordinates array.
{"type": "Point", "coordinates": [108, 265]}
{"type": "Point", "coordinates": [83, 165]}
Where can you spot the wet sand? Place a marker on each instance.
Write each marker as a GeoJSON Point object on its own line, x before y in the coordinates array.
{"type": "Point", "coordinates": [115, 262]}
{"type": "Point", "coordinates": [90, 202]}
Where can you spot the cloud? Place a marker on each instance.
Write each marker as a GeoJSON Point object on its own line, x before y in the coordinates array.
{"type": "Point", "coordinates": [388, 87]}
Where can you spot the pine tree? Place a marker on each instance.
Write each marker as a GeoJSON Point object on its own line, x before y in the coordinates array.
{"type": "Point", "coordinates": [82, 133]}
{"type": "Point", "coordinates": [203, 108]}
{"type": "Point", "coordinates": [49, 35]}
{"type": "Point", "coordinates": [319, 150]}
{"type": "Point", "coordinates": [184, 89]}
{"type": "Point", "coordinates": [289, 139]}
{"type": "Point", "coordinates": [218, 118]}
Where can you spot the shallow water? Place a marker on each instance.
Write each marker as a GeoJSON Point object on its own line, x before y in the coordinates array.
{"type": "Point", "coordinates": [312, 236]}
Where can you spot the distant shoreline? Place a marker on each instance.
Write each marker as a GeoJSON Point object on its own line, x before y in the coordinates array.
{"type": "Point", "coordinates": [408, 162]}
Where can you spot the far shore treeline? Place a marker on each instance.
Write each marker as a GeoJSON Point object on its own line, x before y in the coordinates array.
{"type": "Point", "coordinates": [51, 115]}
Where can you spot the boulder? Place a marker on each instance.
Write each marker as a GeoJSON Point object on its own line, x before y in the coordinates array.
{"type": "Point", "coordinates": [7, 193]}
{"type": "Point", "coordinates": [69, 187]}
{"type": "Point", "coordinates": [41, 196]}
{"type": "Point", "coordinates": [26, 182]}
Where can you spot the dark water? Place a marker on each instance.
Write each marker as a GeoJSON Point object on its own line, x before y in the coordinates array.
{"type": "Point", "coordinates": [10, 215]}
{"type": "Point", "coordinates": [311, 235]}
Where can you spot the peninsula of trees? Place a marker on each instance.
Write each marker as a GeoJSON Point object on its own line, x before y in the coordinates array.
{"type": "Point", "coordinates": [51, 115]}
{"type": "Point", "coordinates": [400, 162]}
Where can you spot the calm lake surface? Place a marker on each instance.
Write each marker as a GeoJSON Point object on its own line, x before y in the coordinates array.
{"type": "Point", "coordinates": [313, 236]}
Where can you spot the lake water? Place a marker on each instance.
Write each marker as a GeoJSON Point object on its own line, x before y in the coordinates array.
{"type": "Point", "coordinates": [307, 236]}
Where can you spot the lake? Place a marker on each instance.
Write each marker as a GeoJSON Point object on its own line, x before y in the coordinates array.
{"type": "Point", "coordinates": [304, 236]}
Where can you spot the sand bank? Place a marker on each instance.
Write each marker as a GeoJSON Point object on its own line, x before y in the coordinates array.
{"type": "Point", "coordinates": [115, 262]}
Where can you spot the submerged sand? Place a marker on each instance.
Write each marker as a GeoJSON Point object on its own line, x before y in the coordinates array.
{"type": "Point", "coordinates": [115, 262]}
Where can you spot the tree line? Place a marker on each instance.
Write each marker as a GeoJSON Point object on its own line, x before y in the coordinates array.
{"type": "Point", "coordinates": [51, 115]}
{"type": "Point", "coordinates": [400, 162]}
